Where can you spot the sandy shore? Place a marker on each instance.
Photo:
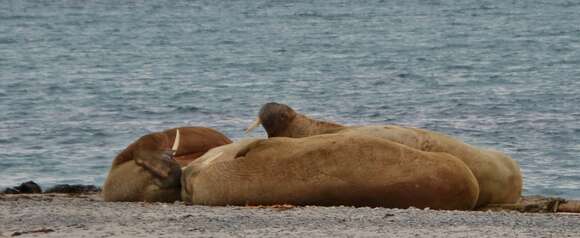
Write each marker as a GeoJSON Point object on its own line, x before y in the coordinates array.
{"type": "Point", "coordinates": [63, 215]}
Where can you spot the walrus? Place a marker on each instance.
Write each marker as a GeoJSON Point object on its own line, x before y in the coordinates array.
{"type": "Point", "coordinates": [329, 170]}
{"type": "Point", "coordinates": [499, 176]}
{"type": "Point", "coordinates": [149, 169]}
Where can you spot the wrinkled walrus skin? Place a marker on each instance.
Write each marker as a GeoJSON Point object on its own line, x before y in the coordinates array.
{"type": "Point", "coordinates": [499, 177]}
{"type": "Point", "coordinates": [329, 170]}
{"type": "Point", "coordinates": [149, 170]}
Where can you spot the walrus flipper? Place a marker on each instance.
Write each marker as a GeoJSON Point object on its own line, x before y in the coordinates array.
{"type": "Point", "coordinates": [165, 170]}
{"type": "Point", "coordinates": [246, 148]}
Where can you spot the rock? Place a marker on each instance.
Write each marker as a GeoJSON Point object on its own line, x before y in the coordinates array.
{"type": "Point", "coordinates": [26, 187]}
{"type": "Point", "coordinates": [74, 188]}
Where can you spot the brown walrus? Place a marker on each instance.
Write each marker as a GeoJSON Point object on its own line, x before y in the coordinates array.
{"type": "Point", "coordinates": [329, 170]}
{"type": "Point", "coordinates": [499, 177]}
{"type": "Point", "coordinates": [149, 169]}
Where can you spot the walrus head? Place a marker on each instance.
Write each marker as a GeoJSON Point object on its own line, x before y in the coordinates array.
{"type": "Point", "coordinates": [161, 164]}
{"type": "Point", "coordinates": [274, 117]}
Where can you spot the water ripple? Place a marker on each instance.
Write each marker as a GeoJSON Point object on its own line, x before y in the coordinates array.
{"type": "Point", "coordinates": [80, 81]}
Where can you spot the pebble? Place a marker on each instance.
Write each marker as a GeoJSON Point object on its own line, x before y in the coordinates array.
{"type": "Point", "coordinates": [69, 216]}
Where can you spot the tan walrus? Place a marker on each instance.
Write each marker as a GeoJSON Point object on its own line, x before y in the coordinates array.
{"type": "Point", "coordinates": [499, 177]}
{"type": "Point", "coordinates": [329, 170]}
{"type": "Point", "coordinates": [149, 169]}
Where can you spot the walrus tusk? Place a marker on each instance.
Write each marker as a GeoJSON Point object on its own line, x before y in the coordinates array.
{"type": "Point", "coordinates": [176, 142]}
{"type": "Point", "coordinates": [254, 124]}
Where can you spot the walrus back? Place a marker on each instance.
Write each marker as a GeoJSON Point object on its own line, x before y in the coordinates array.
{"type": "Point", "coordinates": [499, 176]}
{"type": "Point", "coordinates": [337, 170]}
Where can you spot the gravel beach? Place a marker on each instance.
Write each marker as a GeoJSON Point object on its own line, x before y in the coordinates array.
{"type": "Point", "coordinates": [64, 215]}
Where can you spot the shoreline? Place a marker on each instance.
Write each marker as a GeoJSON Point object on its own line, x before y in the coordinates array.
{"type": "Point", "coordinates": [87, 215]}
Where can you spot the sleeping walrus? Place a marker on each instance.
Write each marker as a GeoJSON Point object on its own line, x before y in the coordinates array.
{"type": "Point", "coordinates": [149, 169]}
{"type": "Point", "coordinates": [328, 170]}
{"type": "Point", "coordinates": [499, 177]}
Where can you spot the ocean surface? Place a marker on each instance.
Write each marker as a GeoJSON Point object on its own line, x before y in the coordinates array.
{"type": "Point", "coordinates": [80, 80]}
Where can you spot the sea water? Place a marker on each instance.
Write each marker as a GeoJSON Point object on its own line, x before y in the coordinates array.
{"type": "Point", "coordinates": [80, 80]}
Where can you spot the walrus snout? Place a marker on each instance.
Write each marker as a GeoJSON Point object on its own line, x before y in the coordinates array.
{"type": "Point", "coordinates": [159, 163]}
{"type": "Point", "coordinates": [173, 180]}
